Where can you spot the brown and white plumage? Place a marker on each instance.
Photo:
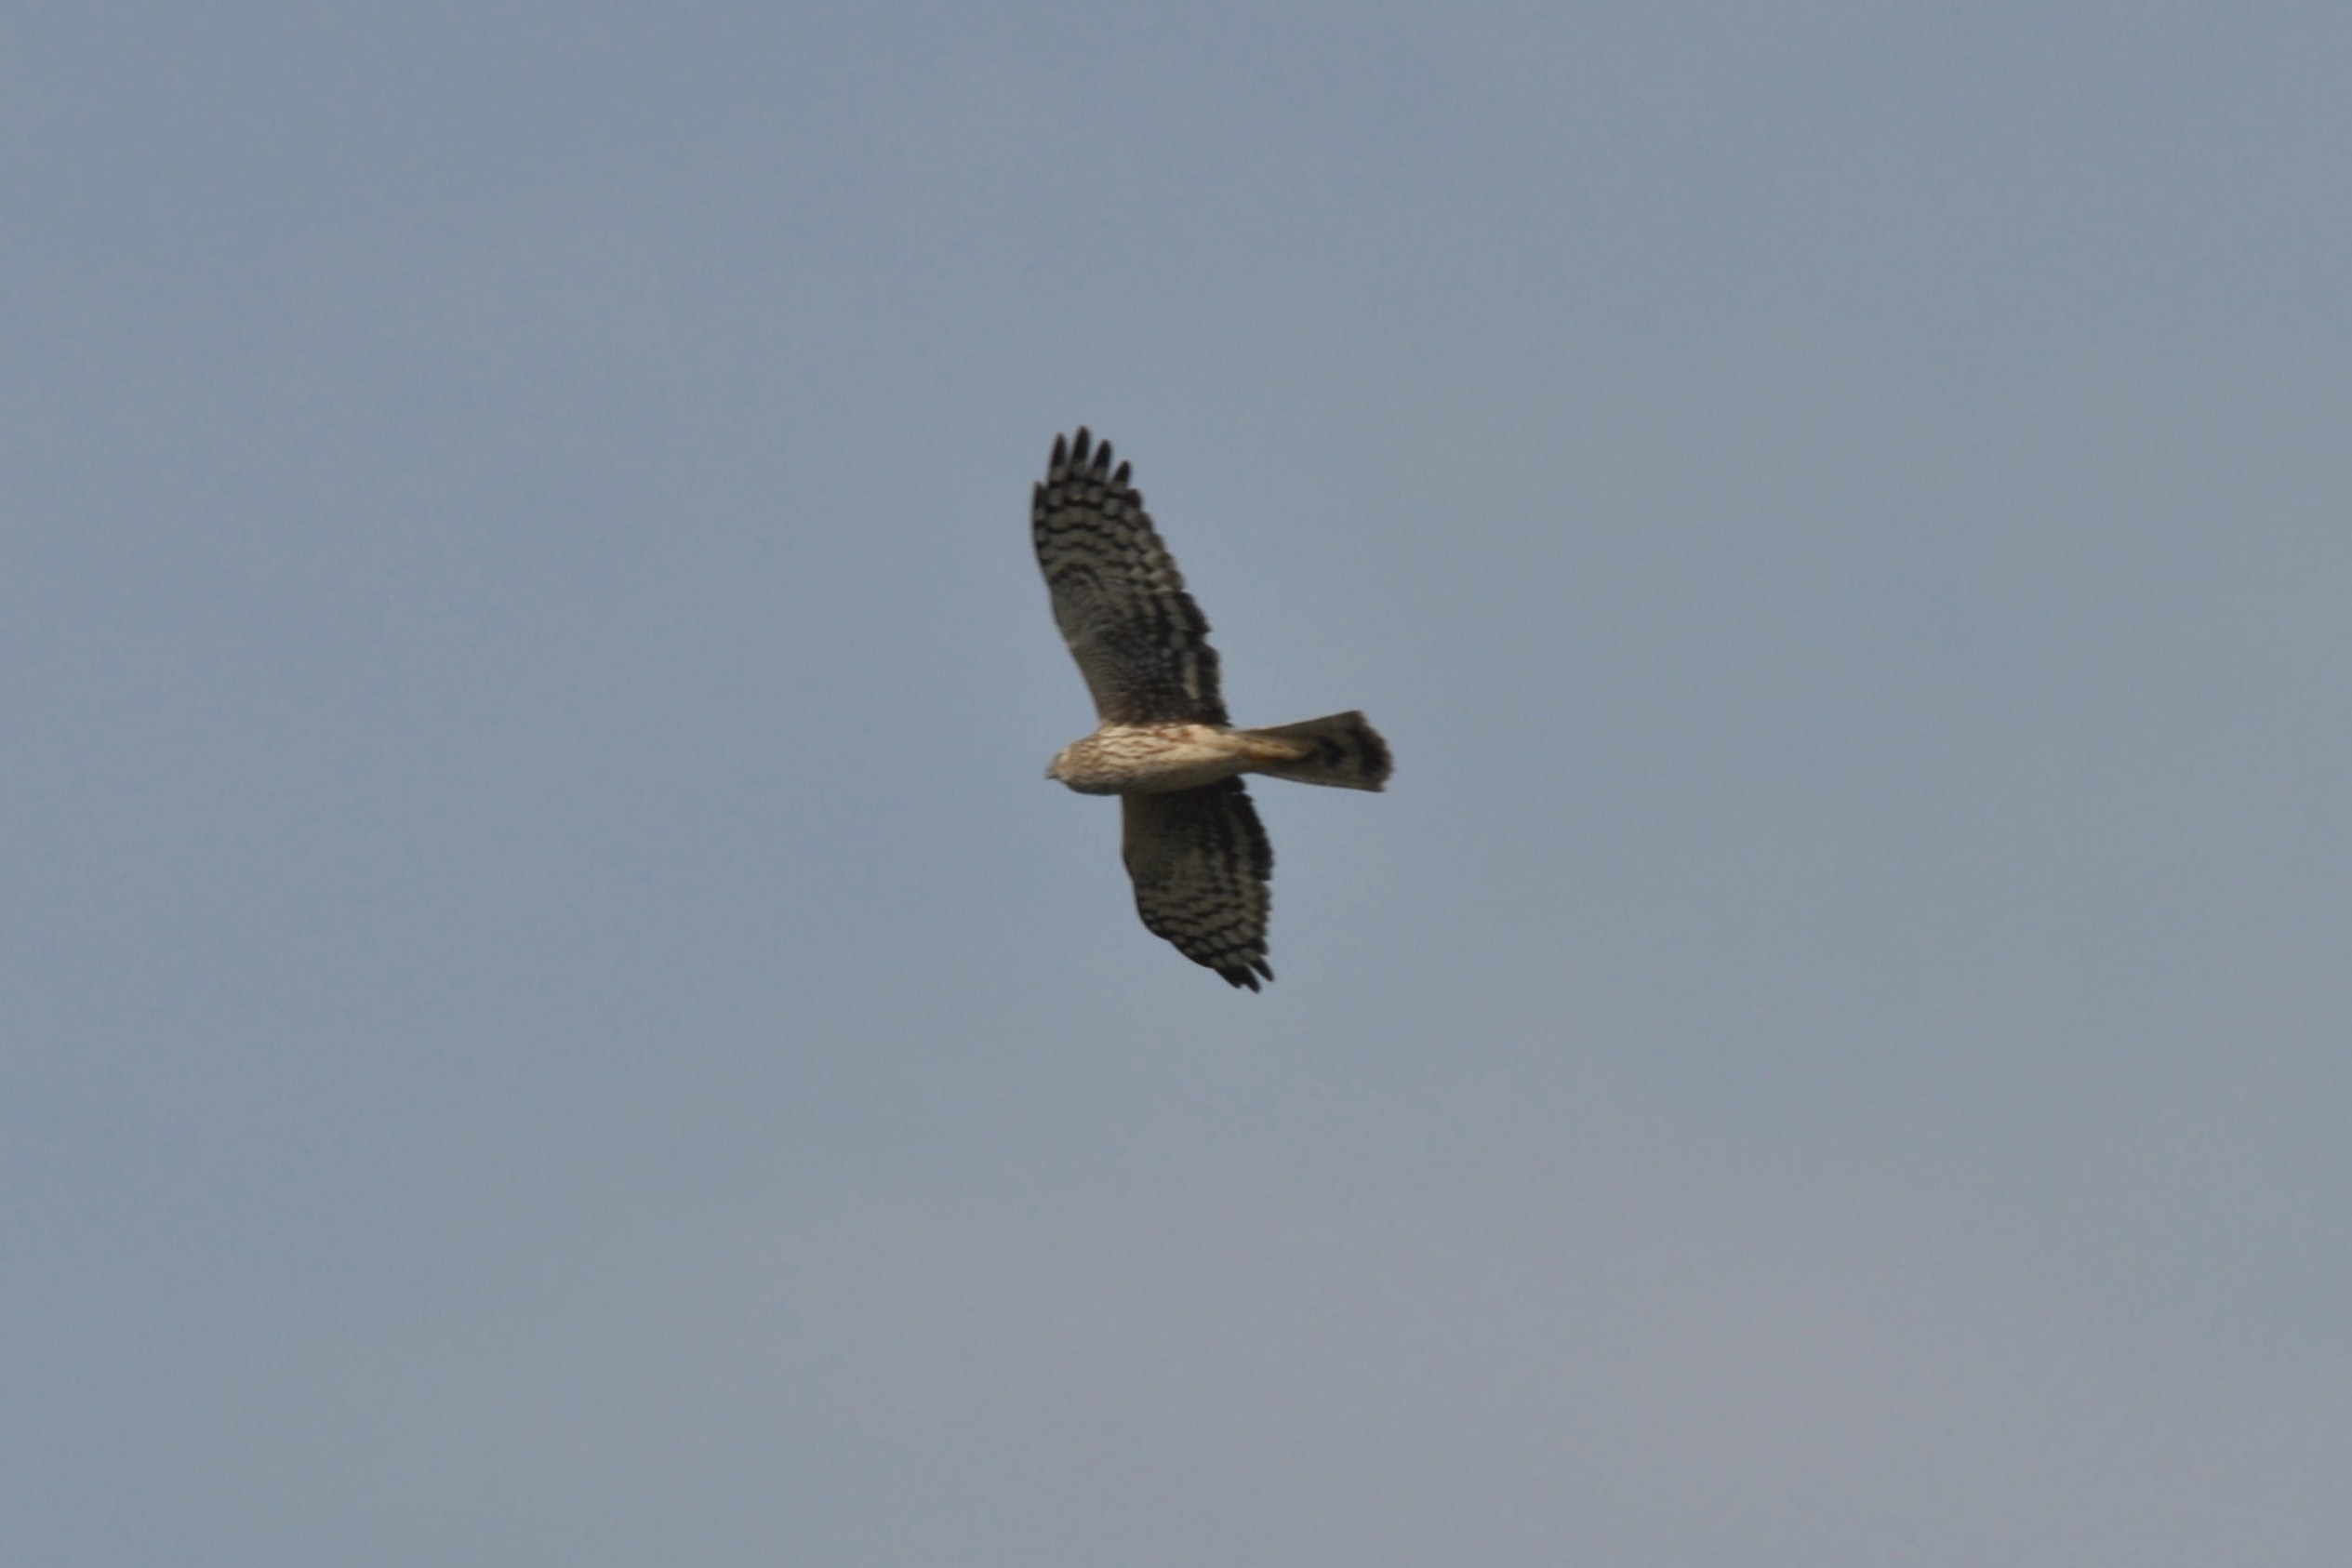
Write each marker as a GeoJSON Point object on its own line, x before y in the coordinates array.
{"type": "Point", "coordinates": [1140, 641]}
{"type": "Point", "coordinates": [1192, 842]}
{"type": "Point", "coordinates": [1201, 866]}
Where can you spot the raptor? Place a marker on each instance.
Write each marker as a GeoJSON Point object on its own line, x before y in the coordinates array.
{"type": "Point", "coordinates": [1194, 847]}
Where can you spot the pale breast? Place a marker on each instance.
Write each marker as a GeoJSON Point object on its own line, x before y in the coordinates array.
{"type": "Point", "coordinates": [1148, 759]}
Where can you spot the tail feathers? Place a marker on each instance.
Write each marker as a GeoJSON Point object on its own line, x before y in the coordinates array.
{"type": "Point", "coordinates": [1341, 750]}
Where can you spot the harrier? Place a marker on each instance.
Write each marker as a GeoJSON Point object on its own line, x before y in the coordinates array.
{"type": "Point", "coordinates": [1193, 845]}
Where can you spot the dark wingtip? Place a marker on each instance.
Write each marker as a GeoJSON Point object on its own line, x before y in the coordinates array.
{"type": "Point", "coordinates": [1079, 452]}
{"type": "Point", "coordinates": [1240, 974]}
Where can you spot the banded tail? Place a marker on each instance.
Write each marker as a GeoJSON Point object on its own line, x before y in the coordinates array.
{"type": "Point", "coordinates": [1340, 750]}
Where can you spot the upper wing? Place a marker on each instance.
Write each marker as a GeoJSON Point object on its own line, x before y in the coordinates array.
{"type": "Point", "coordinates": [1200, 862]}
{"type": "Point", "coordinates": [1140, 641]}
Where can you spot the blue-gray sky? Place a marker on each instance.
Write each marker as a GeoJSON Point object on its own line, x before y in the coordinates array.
{"type": "Point", "coordinates": [549, 1014]}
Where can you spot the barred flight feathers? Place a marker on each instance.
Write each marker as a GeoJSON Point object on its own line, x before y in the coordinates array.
{"type": "Point", "coordinates": [1340, 750]}
{"type": "Point", "coordinates": [1140, 641]}
{"type": "Point", "coordinates": [1199, 861]}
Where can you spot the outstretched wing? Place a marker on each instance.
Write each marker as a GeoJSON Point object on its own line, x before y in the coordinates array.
{"type": "Point", "coordinates": [1200, 862]}
{"type": "Point", "coordinates": [1140, 641]}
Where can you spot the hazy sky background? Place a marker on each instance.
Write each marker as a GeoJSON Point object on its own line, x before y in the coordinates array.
{"type": "Point", "coordinates": [549, 1016]}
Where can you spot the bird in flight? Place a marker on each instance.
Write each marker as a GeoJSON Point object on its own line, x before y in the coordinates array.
{"type": "Point", "coordinates": [1193, 846]}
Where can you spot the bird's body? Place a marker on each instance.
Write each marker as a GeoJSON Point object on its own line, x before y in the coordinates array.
{"type": "Point", "coordinates": [1193, 846]}
{"type": "Point", "coordinates": [1151, 758]}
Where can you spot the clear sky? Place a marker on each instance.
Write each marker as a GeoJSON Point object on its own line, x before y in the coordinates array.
{"type": "Point", "coordinates": [549, 1015]}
